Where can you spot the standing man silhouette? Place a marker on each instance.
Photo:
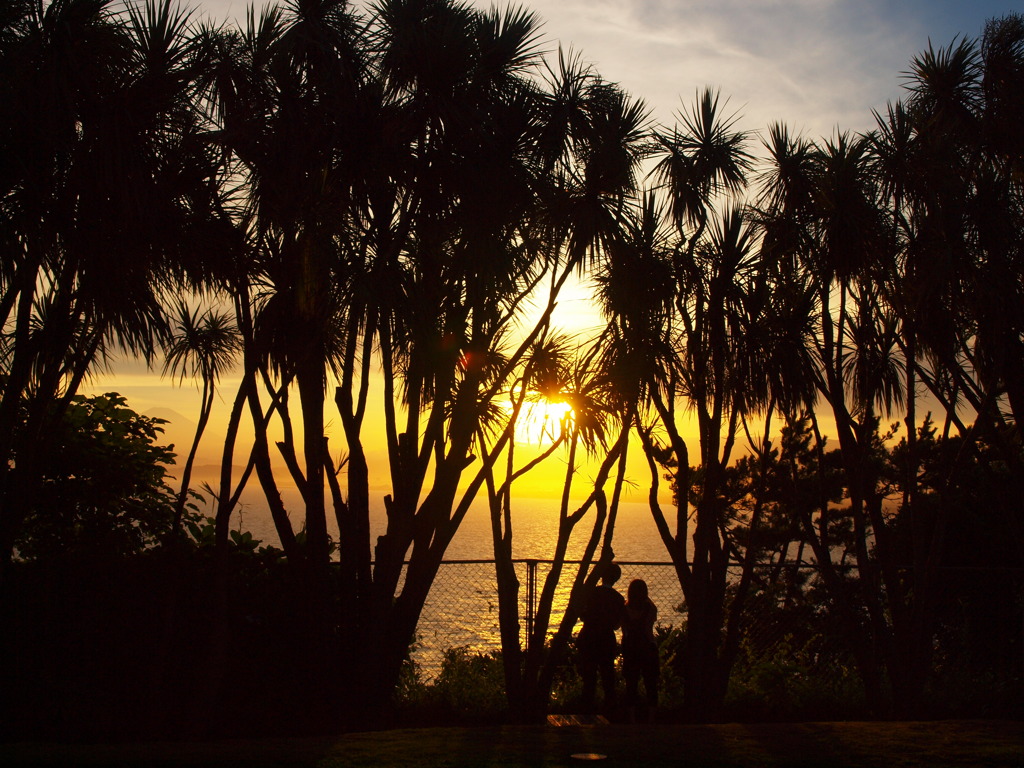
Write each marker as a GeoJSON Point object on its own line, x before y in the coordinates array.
{"type": "Point", "coordinates": [602, 615]}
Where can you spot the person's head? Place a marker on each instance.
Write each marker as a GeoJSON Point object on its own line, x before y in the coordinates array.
{"type": "Point", "coordinates": [637, 592]}
{"type": "Point", "coordinates": [610, 574]}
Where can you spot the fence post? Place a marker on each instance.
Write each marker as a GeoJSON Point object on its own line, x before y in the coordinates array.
{"type": "Point", "coordinates": [531, 598]}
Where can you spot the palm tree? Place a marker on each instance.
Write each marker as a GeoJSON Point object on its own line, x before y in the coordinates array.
{"type": "Point", "coordinates": [203, 345]}
{"type": "Point", "coordinates": [551, 371]}
{"type": "Point", "coordinates": [956, 291]}
{"type": "Point", "coordinates": [821, 211]}
{"type": "Point", "coordinates": [703, 159]}
{"type": "Point", "coordinates": [286, 93]}
{"type": "Point", "coordinates": [528, 206]}
{"type": "Point", "coordinates": [716, 281]}
{"type": "Point", "coordinates": [403, 206]}
{"type": "Point", "coordinates": [104, 186]}
{"type": "Point", "coordinates": [716, 319]}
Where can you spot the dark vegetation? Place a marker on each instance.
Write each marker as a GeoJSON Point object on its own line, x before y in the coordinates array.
{"type": "Point", "coordinates": [103, 643]}
{"type": "Point", "coordinates": [393, 199]}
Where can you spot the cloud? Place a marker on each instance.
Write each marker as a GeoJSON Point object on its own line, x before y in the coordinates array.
{"type": "Point", "coordinates": [814, 64]}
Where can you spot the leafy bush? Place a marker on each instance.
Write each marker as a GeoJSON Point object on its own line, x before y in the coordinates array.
{"type": "Point", "coordinates": [790, 681]}
{"type": "Point", "coordinates": [471, 684]}
{"type": "Point", "coordinates": [103, 487]}
{"type": "Point", "coordinates": [671, 647]}
{"type": "Point", "coordinates": [469, 689]}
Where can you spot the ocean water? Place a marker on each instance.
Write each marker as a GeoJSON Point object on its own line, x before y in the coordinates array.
{"type": "Point", "coordinates": [534, 524]}
{"type": "Point", "coordinates": [462, 608]}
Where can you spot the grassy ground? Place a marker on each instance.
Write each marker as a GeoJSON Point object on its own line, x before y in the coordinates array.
{"type": "Point", "coordinates": [998, 744]}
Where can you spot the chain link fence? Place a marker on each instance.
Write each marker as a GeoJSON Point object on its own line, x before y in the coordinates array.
{"type": "Point", "coordinates": [462, 608]}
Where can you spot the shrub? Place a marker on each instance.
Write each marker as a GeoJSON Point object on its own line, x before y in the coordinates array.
{"type": "Point", "coordinates": [469, 689]}
{"type": "Point", "coordinates": [790, 681]}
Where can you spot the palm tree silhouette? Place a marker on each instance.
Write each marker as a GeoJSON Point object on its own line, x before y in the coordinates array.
{"type": "Point", "coordinates": [203, 345]}
{"type": "Point", "coordinates": [105, 184]}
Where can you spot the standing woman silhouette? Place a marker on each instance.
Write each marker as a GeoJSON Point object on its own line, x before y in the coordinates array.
{"type": "Point", "coordinates": [639, 651]}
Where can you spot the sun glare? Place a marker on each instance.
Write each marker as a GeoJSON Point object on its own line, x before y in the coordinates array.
{"type": "Point", "coordinates": [540, 421]}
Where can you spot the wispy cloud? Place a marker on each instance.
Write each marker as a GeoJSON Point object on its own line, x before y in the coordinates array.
{"type": "Point", "coordinates": [817, 65]}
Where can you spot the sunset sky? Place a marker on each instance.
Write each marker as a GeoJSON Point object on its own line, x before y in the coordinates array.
{"type": "Point", "coordinates": [817, 65]}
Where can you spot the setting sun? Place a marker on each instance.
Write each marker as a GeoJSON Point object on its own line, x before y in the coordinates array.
{"type": "Point", "coordinates": [541, 420]}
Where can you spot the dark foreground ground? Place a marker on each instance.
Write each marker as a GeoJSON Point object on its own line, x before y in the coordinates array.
{"type": "Point", "coordinates": [846, 745]}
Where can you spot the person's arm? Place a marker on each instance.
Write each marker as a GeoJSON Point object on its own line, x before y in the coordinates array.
{"type": "Point", "coordinates": [620, 612]}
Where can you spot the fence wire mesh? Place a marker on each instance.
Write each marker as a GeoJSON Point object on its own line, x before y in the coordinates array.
{"type": "Point", "coordinates": [462, 607]}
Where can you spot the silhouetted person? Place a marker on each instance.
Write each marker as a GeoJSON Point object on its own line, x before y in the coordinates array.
{"type": "Point", "coordinates": [596, 643]}
{"type": "Point", "coordinates": [639, 651]}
